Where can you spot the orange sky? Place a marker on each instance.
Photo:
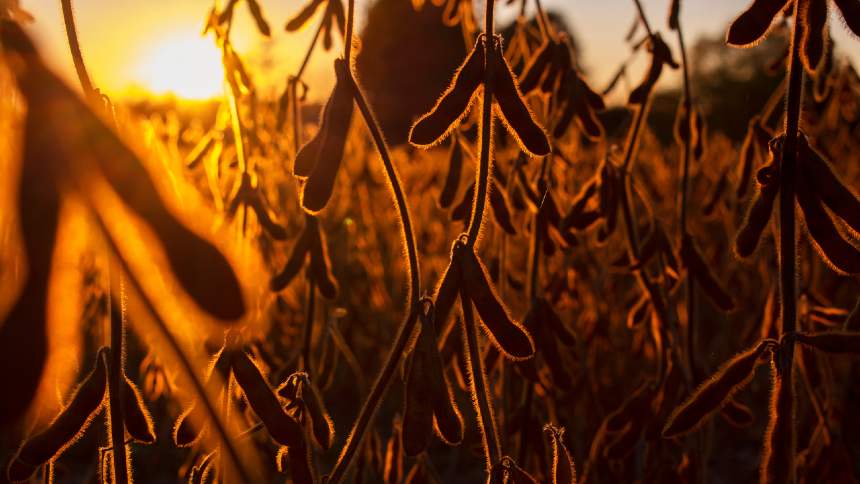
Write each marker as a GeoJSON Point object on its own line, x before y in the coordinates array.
{"type": "Point", "coordinates": [125, 41]}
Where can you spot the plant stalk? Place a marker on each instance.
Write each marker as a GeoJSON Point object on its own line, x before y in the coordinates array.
{"type": "Point", "coordinates": [787, 224]}
{"type": "Point", "coordinates": [480, 391]}
{"type": "Point", "coordinates": [482, 181]}
{"type": "Point", "coordinates": [380, 386]}
{"type": "Point", "coordinates": [116, 380]}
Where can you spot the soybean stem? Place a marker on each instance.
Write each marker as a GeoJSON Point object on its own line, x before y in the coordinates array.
{"type": "Point", "coordinates": [480, 391]}
{"type": "Point", "coordinates": [483, 174]}
{"type": "Point", "coordinates": [787, 245]}
{"type": "Point", "coordinates": [377, 392]}
{"type": "Point", "coordinates": [116, 380]}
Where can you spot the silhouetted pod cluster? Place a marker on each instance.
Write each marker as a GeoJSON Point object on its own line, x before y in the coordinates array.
{"type": "Point", "coordinates": [75, 417]}
{"type": "Point", "coordinates": [311, 243]}
{"type": "Point", "coordinates": [510, 106]}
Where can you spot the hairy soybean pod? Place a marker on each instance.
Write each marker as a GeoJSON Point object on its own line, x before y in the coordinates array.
{"type": "Point", "coordinates": [562, 471]}
{"type": "Point", "coordinates": [455, 170]}
{"type": "Point", "coordinates": [320, 264]}
{"type": "Point", "coordinates": [418, 414]}
{"type": "Point", "coordinates": [832, 341]}
{"type": "Point", "coordinates": [189, 428]}
{"type": "Point", "coordinates": [66, 427]}
{"type": "Point", "coordinates": [756, 219]}
{"type": "Point", "coordinates": [296, 260]}
{"type": "Point", "coordinates": [813, 14]}
{"type": "Point", "coordinates": [455, 101]}
{"type": "Point", "coordinates": [300, 459]}
{"type": "Point", "coordinates": [306, 158]}
{"type": "Point", "coordinates": [263, 400]}
{"type": "Point", "coordinates": [511, 338]}
{"type": "Point", "coordinates": [777, 460]}
{"type": "Point", "coordinates": [711, 394]}
{"type": "Point", "coordinates": [752, 25]}
{"type": "Point", "coordinates": [323, 427]}
{"type": "Point", "coordinates": [138, 422]}
{"type": "Point", "coordinates": [319, 186]}
{"type": "Point", "coordinates": [833, 248]}
{"type": "Point", "coordinates": [829, 187]}
{"type": "Point", "coordinates": [517, 117]}
{"type": "Point", "coordinates": [449, 422]}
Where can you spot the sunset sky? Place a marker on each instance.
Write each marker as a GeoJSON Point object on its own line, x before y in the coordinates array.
{"type": "Point", "coordinates": [156, 45]}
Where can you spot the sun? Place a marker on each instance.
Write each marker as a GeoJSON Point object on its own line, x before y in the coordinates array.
{"type": "Point", "coordinates": [184, 64]}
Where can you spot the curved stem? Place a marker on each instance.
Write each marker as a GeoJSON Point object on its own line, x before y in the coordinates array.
{"type": "Point", "coordinates": [368, 410]}
{"type": "Point", "coordinates": [75, 47]}
{"type": "Point", "coordinates": [396, 189]}
{"type": "Point", "coordinates": [482, 181]}
{"type": "Point", "coordinates": [380, 386]}
{"type": "Point", "coordinates": [480, 391]}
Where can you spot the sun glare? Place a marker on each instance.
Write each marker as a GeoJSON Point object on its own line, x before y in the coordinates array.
{"type": "Point", "coordinates": [184, 64]}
